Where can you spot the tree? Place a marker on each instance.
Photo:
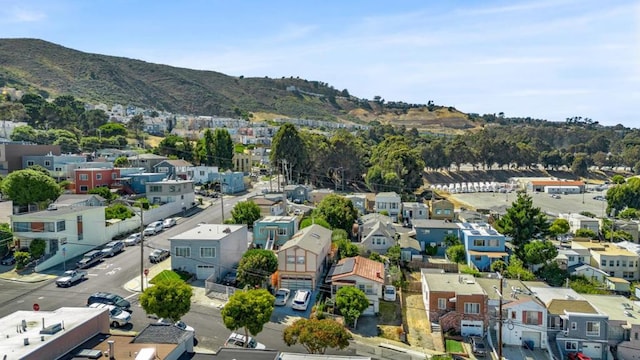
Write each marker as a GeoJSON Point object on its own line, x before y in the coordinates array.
{"type": "Point", "coordinates": [516, 270]}
{"type": "Point", "coordinates": [256, 266]}
{"type": "Point", "coordinates": [346, 248]}
{"type": "Point", "coordinates": [103, 191]}
{"type": "Point", "coordinates": [498, 266]}
{"type": "Point", "coordinates": [22, 259]}
{"type": "Point", "coordinates": [351, 302]}
{"type": "Point", "coordinates": [316, 335]}
{"type": "Point", "coordinates": [249, 309]}
{"type": "Point", "coordinates": [559, 227]}
{"type": "Point", "coordinates": [394, 254]}
{"type": "Point", "coordinates": [223, 149]}
{"type": "Point", "coordinates": [308, 221]}
{"type": "Point", "coordinates": [23, 133]}
{"type": "Point", "coordinates": [121, 161]}
{"type": "Point", "coordinates": [451, 240]}
{"type": "Point", "coordinates": [287, 148]}
{"type": "Point", "coordinates": [37, 248]}
{"type": "Point", "coordinates": [30, 187]}
{"type": "Point", "coordinates": [456, 253]}
{"type": "Point", "coordinates": [338, 211]}
{"type": "Point", "coordinates": [376, 257]}
{"type": "Point", "coordinates": [112, 129]}
{"type": "Point", "coordinates": [168, 298]}
{"type": "Point", "coordinates": [6, 238]}
{"type": "Point", "coordinates": [586, 233]}
{"type": "Point", "coordinates": [245, 212]}
{"type": "Point", "coordinates": [523, 223]}
{"type": "Point", "coordinates": [136, 124]}
{"type": "Point", "coordinates": [539, 252]}
{"type": "Point", "coordinates": [552, 274]}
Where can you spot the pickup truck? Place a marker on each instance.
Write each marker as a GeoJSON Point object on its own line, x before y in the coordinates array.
{"type": "Point", "coordinates": [70, 277]}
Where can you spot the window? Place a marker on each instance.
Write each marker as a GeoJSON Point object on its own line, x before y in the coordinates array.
{"type": "Point", "coordinates": [366, 288]}
{"type": "Point", "coordinates": [291, 259]}
{"type": "Point", "coordinates": [617, 262]}
{"type": "Point", "coordinates": [574, 325]}
{"type": "Point", "coordinates": [531, 318]}
{"type": "Point", "coordinates": [114, 176]}
{"type": "Point", "coordinates": [442, 303]}
{"type": "Point", "coordinates": [610, 262]}
{"type": "Point", "coordinates": [155, 188]}
{"type": "Point", "coordinates": [593, 328]}
{"type": "Point", "coordinates": [98, 176]}
{"type": "Point", "coordinates": [571, 345]}
{"type": "Point", "coordinates": [630, 263]}
{"type": "Point", "coordinates": [21, 226]}
{"type": "Point", "coordinates": [478, 242]}
{"type": "Point", "coordinates": [47, 163]}
{"type": "Point", "coordinates": [30, 163]}
{"type": "Point", "coordinates": [84, 188]}
{"type": "Point", "coordinates": [282, 232]}
{"type": "Point", "coordinates": [471, 308]}
{"type": "Point", "coordinates": [635, 336]}
{"type": "Point", "coordinates": [49, 227]}
{"type": "Point", "coordinates": [84, 177]}
{"type": "Point", "coordinates": [301, 260]}
{"type": "Point", "coordinates": [183, 251]}
{"type": "Point", "coordinates": [624, 262]}
{"type": "Point", "coordinates": [58, 169]}
{"type": "Point", "coordinates": [207, 252]}
{"type": "Point", "coordinates": [571, 258]}
{"type": "Point", "coordinates": [439, 211]}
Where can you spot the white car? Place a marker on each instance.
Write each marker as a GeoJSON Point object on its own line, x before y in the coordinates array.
{"type": "Point", "coordinates": [170, 222]}
{"type": "Point", "coordinates": [153, 228]}
{"type": "Point", "coordinates": [133, 239]}
{"type": "Point", "coordinates": [389, 293]}
{"type": "Point", "coordinates": [117, 316]}
{"type": "Point", "coordinates": [179, 324]}
{"type": "Point", "coordinates": [301, 300]}
{"type": "Point", "coordinates": [282, 295]}
{"type": "Point", "coordinates": [239, 340]}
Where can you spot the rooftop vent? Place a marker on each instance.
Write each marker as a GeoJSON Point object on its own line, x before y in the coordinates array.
{"type": "Point", "coordinates": [51, 329]}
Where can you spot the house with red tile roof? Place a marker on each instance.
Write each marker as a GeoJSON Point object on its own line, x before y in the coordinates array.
{"type": "Point", "coordinates": [365, 274]}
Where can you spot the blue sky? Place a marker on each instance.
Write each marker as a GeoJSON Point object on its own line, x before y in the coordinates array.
{"type": "Point", "coordinates": [548, 59]}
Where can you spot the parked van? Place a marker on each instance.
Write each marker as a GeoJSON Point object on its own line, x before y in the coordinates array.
{"type": "Point", "coordinates": [89, 259]}
{"type": "Point", "coordinates": [153, 228]}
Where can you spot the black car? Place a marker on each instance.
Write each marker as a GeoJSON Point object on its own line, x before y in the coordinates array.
{"type": "Point", "coordinates": [109, 299]}
{"type": "Point", "coordinates": [8, 259]}
{"type": "Point", "coordinates": [230, 279]}
{"type": "Point", "coordinates": [159, 255]}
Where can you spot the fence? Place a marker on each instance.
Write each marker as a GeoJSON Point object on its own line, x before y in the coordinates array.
{"type": "Point", "coordinates": [218, 291]}
{"type": "Point", "coordinates": [425, 263]}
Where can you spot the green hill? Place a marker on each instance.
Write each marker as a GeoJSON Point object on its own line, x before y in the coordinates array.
{"type": "Point", "coordinates": [53, 70]}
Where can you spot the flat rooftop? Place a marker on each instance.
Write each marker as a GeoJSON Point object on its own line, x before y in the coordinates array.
{"type": "Point", "coordinates": [277, 219]}
{"type": "Point", "coordinates": [460, 284]}
{"type": "Point", "coordinates": [208, 232]}
{"type": "Point", "coordinates": [12, 341]}
{"type": "Point", "coordinates": [617, 307]}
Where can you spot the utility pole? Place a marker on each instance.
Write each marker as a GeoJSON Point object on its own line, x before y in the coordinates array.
{"type": "Point", "coordinates": [222, 199]}
{"type": "Point", "coordinates": [141, 248]}
{"type": "Point", "coordinates": [499, 316]}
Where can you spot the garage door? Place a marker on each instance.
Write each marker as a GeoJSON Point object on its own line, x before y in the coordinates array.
{"type": "Point", "coordinates": [295, 283]}
{"type": "Point", "coordinates": [592, 350]}
{"type": "Point", "coordinates": [532, 336]}
{"type": "Point", "coordinates": [471, 328]}
{"type": "Point", "coordinates": [371, 310]}
{"type": "Point", "coordinates": [204, 271]}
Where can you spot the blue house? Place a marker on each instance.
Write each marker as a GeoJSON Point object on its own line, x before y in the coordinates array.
{"type": "Point", "coordinates": [136, 183]}
{"type": "Point", "coordinates": [230, 182]}
{"type": "Point", "coordinates": [483, 245]}
{"type": "Point", "coordinates": [431, 232]}
{"type": "Point", "coordinates": [271, 232]}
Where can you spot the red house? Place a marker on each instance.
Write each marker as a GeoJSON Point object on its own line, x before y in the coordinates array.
{"type": "Point", "coordinates": [91, 178]}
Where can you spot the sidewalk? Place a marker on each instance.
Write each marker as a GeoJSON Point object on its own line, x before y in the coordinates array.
{"type": "Point", "coordinates": [32, 277]}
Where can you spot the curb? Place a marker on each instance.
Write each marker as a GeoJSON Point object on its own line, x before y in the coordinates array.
{"type": "Point", "coordinates": [27, 278]}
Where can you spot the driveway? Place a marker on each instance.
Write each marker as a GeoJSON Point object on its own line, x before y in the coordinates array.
{"type": "Point", "coordinates": [286, 315]}
{"type": "Point", "coordinates": [520, 353]}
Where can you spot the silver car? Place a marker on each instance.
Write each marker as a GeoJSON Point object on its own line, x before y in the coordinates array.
{"type": "Point", "coordinates": [282, 295]}
{"type": "Point", "coordinates": [133, 239]}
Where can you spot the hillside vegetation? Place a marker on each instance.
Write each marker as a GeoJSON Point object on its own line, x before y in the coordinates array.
{"type": "Point", "coordinates": [52, 70]}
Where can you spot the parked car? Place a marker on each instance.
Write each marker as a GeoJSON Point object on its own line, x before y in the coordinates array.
{"type": "Point", "coordinates": [8, 259]}
{"type": "Point", "coordinates": [158, 255]}
{"type": "Point", "coordinates": [477, 346]}
{"type": "Point", "coordinates": [117, 316]}
{"type": "Point", "coordinates": [153, 228]}
{"type": "Point", "coordinates": [578, 356]}
{"type": "Point", "coordinates": [230, 278]}
{"type": "Point", "coordinates": [133, 239]}
{"type": "Point", "coordinates": [282, 295]}
{"type": "Point", "coordinates": [389, 293]}
{"type": "Point", "coordinates": [89, 259]}
{"type": "Point", "coordinates": [109, 299]}
{"type": "Point", "coordinates": [113, 248]}
{"type": "Point", "coordinates": [71, 277]}
{"type": "Point", "coordinates": [239, 340]}
{"type": "Point", "coordinates": [301, 300]}
{"type": "Point", "coordinates": [180, 324]}
{"type": "Point", "coordinates": [170, 222]}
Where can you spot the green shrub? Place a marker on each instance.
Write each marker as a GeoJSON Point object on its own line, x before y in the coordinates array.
{"type": "Point", "coordinates": [22, 259]}
{"type": "Point", "coordinates": [37, 248]}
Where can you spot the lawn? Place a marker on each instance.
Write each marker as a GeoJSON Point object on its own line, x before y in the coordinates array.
{"type": "Point", "coordinates": [390, 313]}
{"type": "Point", "coordinates": [454, 346]}
{"type": "Point", "coordinates": [170, 274]}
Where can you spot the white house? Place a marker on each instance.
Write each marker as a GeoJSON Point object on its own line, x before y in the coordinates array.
{"type": "Point", "coordinates": [578, 221]}
{"type": "Point", "coordinates": [365, 274]}
{"type": "Point", "coordinates": [526, 322]}
{"type": "Point", "coordinates": [171, 192]}
{"type": "Point", "coordinates": [389, 202]}
{"type": "Point", "coordinates": [202, 174]}
{"type": "Point", "coordinates": [69, 231]}
{"type": "Point", "coordinates": [414, 210]}
{"type": "Point", "coordinates": [209, 249]}
{"type": "Point", "coordinates": [376, 233]}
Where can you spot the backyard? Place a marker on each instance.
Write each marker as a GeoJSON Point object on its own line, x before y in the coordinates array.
{"type": "Point", "coordinates": [390, 320]}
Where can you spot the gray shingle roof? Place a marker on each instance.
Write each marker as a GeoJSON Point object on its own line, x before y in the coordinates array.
{"type": "Point", "coordinates": [159, 333]}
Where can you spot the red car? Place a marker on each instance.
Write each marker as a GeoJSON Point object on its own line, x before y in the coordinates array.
{"type": "Point", "coordinates": [578, 356]}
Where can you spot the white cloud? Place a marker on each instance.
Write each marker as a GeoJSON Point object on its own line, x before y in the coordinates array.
{"type": "Point", "coordinates": [22, 15]}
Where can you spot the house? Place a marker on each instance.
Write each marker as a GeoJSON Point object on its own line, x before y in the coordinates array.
{"type": "Point", "coordinates": [579, 221]}
{"type": "Point", "coordinates": [230, 182]}
{"type": "Point", "coordinates": [173, 169]}
{"type": "Point", "coordinates": [25, 337]}
{"type": "Point", "coordinates": [589, 272]}
{"type": "Point", "coordinates": [409, 247]}
{"type": "Point", "coordinates": [469, 216]}
{"type": "Point", "coordinates": [303, 259]}
{"type": "Point", "coordinates": [414, 210]}
{"type": "Point", "coordinates": [136, 183]}
{"type": "Point", "coordinates": [91, 178]}
{"type": "Point", "coordinates": [569, 258]}
{"type": "Point", "coordinates": [616, 261]}
{"type": "Point", "coordinates": [146, 161]}
{"type": "Point", "coordinates": [171, 192]}
{"type": "Point", "coordinates": [271, 232]}
{"type": "Point", "coordinates": [630, 227]}
{"type": "Point", "coordinates": [359, 202]}
{"type": "Point", "coordinates": [68, 231]}
{"type": "Point", "coordinates": [64, 165]}
{"type": "Point", "coordinates": [525, 316]}
{"type": "Point", "coordinates": [375, 233]}
{"type": "Point", "coordinates": [621, 314]}
{"type": "Point", "coordinates": [11, 154]}
{"type": "Point", "coordinates": [630, 348]}
{"type": "Point", "coordinates": [389, 203]}
{"type": "Point", "coordinates": [483, 245]}
{"type": "Point", "coordinates": [203, 174]}
{"type": "Point", "coordinates": [455, 302]}
{"type": "Point", "coordinates": [242, 162]}
{"type": "Point", "coordinates": [209, 249]}
{"type": "Point", "coordinates": [297, 193]}
{"type": "Point", "coordinates": [433, 232]}
{"type": "Point", "coordinates": [80, 200]}
{"type": "Point", "coordinates": [270, 205]}
{"type": "Point", "coordinates": [574, 322]}
{"type": "Point", "coordinates": [617, 285]}
{"type": "Point", "coordinates": [317, 195]}
{"type": "Point", "coordinates": [365, 274]}
{"type": "Point", "coordinates": [441, 209]}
